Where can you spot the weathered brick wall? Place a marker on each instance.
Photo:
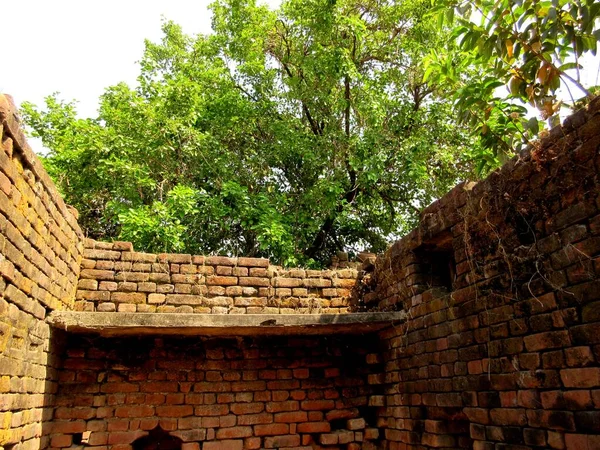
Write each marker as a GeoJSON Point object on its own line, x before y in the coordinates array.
{"type": "Point", "coordinates": [501, 349]}
{"type": "Point", "coordinates": [40, 253]}
{"type": "Point", "coordinates": [217, 394]}
{"type": "Point", "coordinates": [501, 284]}
{"type": "Point", "coordinates": [116, 278]}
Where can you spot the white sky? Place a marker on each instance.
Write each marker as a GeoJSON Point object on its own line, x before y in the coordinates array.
{"type": "Point", "coordinates": [80, 47]}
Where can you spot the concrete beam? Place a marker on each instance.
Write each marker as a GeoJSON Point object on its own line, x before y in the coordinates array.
{"type": "Point", "coordinates": [138, 324]}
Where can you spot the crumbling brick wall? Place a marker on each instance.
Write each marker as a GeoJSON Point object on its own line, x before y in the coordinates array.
{"type": "Point", "coordinates": [40, 253]}
{"type": "Point", "coordinates": [217, 394]}
{"type": "Point", "coordinates": [501, 349]}
{"type": "Point", "coordinates": [116, 278]}
{"type": "Point", "coordinates": [500, 282]}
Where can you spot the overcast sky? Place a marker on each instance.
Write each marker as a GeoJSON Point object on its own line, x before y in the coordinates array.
{"type": "Point", "coordinates": [80, 47]}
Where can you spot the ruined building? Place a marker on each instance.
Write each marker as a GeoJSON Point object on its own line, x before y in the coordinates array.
{"type": "Point", "coordinates": [480, 329]}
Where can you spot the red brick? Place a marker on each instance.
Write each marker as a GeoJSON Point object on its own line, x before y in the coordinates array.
{"type": "Point", "coordinates": [98, 438]}
{"type": "Point", "coordinates": [159, 386]}
{"type": "Point", "coordinates": [566, 400]}
{"type": "Point", "coordinates": [225, 270]}
{"type": "Point", "coordinates": [134, 411]}
{"type": "Point", "coordinates": [474, 367]}
{"type": "Point", "coordinates": [215, 280]}
{"type": "Point", "coordinates": [280, 396]}
{"type": "Point", "coordinates": [97, 274]}
{"type": "Point", "coordinates": [287, 282]}
{"type": "Point", "coordinates": [118, 425]}
{"type": "Point", "coordinates": [317, 405]}
{"type": "Point", "coordinates": [290, 440]}
{"type": "Point", "coordinates": [285, 385]}
{"type": "Point", "coordinates": [234, 432]}
{"type": "Point", "coordinates": [438, 440]}
{"type": "Point", "coordinates": [253, 262]}
{"type": "Point", "coordinates": [582, 441]}
{"type": "Point", "coordinates": [247, 408]}
{"type": "Point", "coordinates": [128, 297]}
{"type": "Point", "coordinates": [116, 447]}
{"type": "Point", "coordinates": [328, 439]}
{"type": "Point", "coordinates": [253, 443]}
{"type": "Point", "coordinates": [301, 373]}
{"type": "Point", "coordinates": [174, 411]}
{"type": "Point", "coordinates": [547, 340]}
{"type": "Point", "coordinates": [555, 420]}
{"type": "Point", "coordinates": [588, 377]}
{"type": "Point", "coordinates": [508, 399]}
{"type": "Point", "coordinates": [61, 440]}
{"type": "Point", "coordinates": [529, 361]}
{"type": "Point", "coordinates": [211, 410]}
{"type": "Point", "coordinates": [111, 388]}
{"type": "Point", "coordinates": [356, 424]}
{"type": "Point", "coordinates": [298, 395]}
{"type": "Point", "coordinates": [271, 429]}
{"type": "Point", "coordinates": [371, 433]}
{"type": "Point", "coordinates": [529, 399]}
{"type": "Point", "coordinates": [227, 421]}
{"type": "Point", "coordinates": [289, 417]}
{"type": "Point", "coordinates": [314, 427]}
{"type": "Point", "coordinates": [324, 283]}
{"type": "Point", "coordinates": [255, 419]}
{"type": "Point", "coordinates": [190, 446]}
{"type": "Point", "coordinates": [508, 416]}
{"type": "Point", "coordinates": [220, 261]}
{"type": "Point", "coordinates": [579, 356]}
{"type": "Point", "coordinates": [74, 413]}
{"type": "Point", "coordinates": [243, 386]}
{"type": "Point", "coordinates": [290, 405]}
{"type": "Point", "coordinates": [254, 281]}
{"type": "Point", "coordinates": [477, 415]}
{"type": "Point", "coordinates": [124, 437]}
{"type": "Point", "coordinates": [236, 444]}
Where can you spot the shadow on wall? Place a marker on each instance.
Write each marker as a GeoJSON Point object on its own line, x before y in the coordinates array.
{"type": "Point", "coordinates": [56, 351]}
{"type": "Point", "coordinates": [234, 393]}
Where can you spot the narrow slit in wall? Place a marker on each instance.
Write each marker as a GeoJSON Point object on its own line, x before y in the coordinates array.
{"type": "Point", "coordinates": [436, 258]}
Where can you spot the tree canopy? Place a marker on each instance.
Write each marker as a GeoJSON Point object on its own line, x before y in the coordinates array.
{"type": "Point", "coordinates": [321, 126]}
{"type": "Point", "coordinates": [290, 134]}
{"type": "Point", "coordinates": [533, 47]}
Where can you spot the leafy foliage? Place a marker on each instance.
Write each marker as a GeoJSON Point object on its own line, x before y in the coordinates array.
{"type": "Point", "coordinates": [533, 47]}
{"type": "Point", "coordinates": [290, 134]}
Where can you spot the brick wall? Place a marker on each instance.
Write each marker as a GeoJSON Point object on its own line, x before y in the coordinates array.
{"type": "Point", "coordinates": [501, 349]}
{"type": "Point", "coordinates": [116, 278]}
{"type": "Point", "coordinates": [40, 252]}
{"type": "Point", "coordinates": [500, 282]}
{"type": "Point", "coordinates": [217, 394]}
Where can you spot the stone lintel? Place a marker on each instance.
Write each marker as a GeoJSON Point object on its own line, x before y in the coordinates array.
{"type": "Point", "coordinates": [138, 324]}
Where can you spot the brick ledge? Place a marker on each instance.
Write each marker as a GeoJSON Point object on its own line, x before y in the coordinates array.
{"type": "Point", "coordinates": [138, 324]}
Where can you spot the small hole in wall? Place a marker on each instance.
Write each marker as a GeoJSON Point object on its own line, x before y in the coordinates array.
{"type": "Point", "coordinates": [443, 270]}
{"type": "Point", "coordinates": [157, 439]}
{"type": "Point", "coordinates": [436, 259]}
{"type": "Point", "coordinates": [337, 424]}
{"type": "Point", "coordinates": [77, 438]}
{"type": "Point", "coordinates": [525, 233]}
{"type": "Point", "coordinates": [369, 414]}
{"type": "Point", "coordinates": [317, 372]}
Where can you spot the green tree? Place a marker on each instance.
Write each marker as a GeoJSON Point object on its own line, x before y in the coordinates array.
{"type": "Point", "coordinates": [533, 47]}
{"type": "Point", "coordinates": [290, 134]}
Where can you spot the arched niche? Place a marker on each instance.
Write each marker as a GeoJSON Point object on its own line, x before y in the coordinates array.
{"type": "Point", "coordinates": [157, 439]}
